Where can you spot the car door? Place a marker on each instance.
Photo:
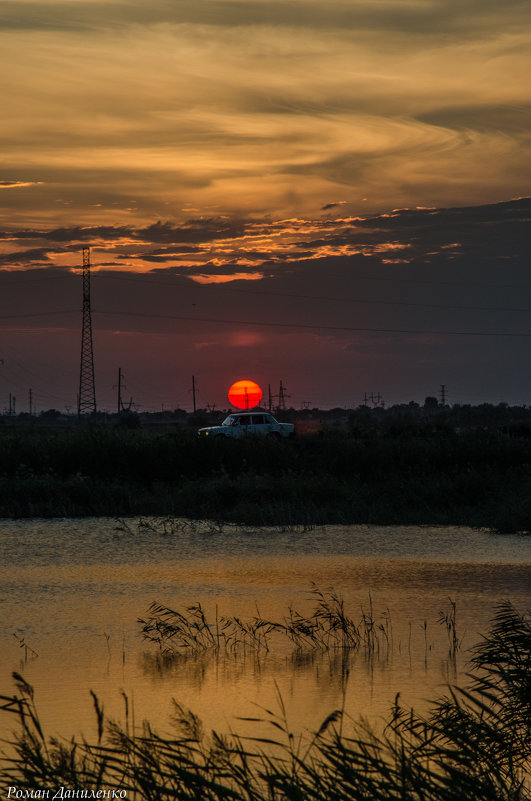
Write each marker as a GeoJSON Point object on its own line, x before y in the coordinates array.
{"type": "Point", "coordinates": [236, 429]}
{"type": "Point", "coordinates": [258, 424]}
{"type": "Point", "coordinates": [270, 424]}
{"type": "Point", "coordinates": [244, 427]}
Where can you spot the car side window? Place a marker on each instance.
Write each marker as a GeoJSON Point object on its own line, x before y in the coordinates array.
{"type": "Point", "coordinates": [258, 419]}
{"type": "Point", "coordinates": [244, 421]}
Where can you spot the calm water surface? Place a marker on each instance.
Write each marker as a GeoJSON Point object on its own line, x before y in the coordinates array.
{"type": "Point", "coordinates": [72, 590]}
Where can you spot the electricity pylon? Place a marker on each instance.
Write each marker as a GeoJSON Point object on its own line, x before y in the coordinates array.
{"type": "Point", "coordinates": [86, 401]}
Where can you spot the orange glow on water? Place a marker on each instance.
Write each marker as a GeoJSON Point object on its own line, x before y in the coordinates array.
{"type": "Point", "coordinates": [245, 394]}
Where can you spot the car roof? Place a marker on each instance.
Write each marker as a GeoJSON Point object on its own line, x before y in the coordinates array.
{"type": "Point", "coordinates": [253, 411]}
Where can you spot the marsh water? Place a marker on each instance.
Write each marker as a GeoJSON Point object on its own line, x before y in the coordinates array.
{"type": "Point", "coordinates": [72, 591]}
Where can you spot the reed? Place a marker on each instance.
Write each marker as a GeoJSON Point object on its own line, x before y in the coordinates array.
{"type": "Point", "coordinates": [29, 652]}
{"type": "Point", "coordinates": [328, 627]}
{"type": "Point", "coordinates": [475, 744]}
{"type": "Point", "coordinates": [448, 619]}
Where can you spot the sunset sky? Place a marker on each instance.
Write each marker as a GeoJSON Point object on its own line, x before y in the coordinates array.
{"type": "Point", "coordinates": [335, 194]}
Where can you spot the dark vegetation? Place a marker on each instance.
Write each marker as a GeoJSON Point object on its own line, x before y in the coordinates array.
{"type": "Point", "coordinates": [475, 744]}
{"type": "Point", "coordinates": [403, 465]}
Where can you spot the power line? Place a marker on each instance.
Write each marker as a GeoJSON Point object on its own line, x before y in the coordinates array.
{"type": "Point", "coordinates": [314, 326]}
{"type": "Point", "coordinates": [299, 296]}
{"type": "Point", "coordinates": [38, 314]}
{"type": "Point", "coordinates": [36, 279]}
{"type": "Point", "coordinates": [12, 367]}
{"type": "Point", "coordinates": [423, 280]}
{"type": "Point", "coordinates": [264, 292]}
{"type": "Point", "coordinates": [122, 277]}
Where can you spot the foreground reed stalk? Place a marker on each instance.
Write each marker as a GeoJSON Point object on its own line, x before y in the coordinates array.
{"type": "Point", "coordinates": [475, 745]}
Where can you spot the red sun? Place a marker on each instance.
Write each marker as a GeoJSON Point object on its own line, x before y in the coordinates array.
{"type": "Point", "coordinates": [245, 394]}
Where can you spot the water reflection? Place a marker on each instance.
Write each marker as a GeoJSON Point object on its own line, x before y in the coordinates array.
{"type": "Point", "coordinates": [74, 589]}
{"type": "Point", "coordinates": [329, 670]}
{"type": "Point", "coordinates": [313, 674]}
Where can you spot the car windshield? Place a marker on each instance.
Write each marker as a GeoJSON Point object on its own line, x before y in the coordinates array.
{"type": "Point", "coordinates": [231, 420]}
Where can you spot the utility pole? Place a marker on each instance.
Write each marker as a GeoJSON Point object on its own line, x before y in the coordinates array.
{"type": "Point", "coordinates": [87, 393]}
{"type": "Point", "coordinates": [282, 395]}
{"type": "Point", "coordinates": [443, 394]}
{"type": "Point", "coordinates": [269, 398]}
{"type": "Point", "coordinates": [119, 390]}
{"type": "Point", "coordinates": [281, 401]}
{"type": "Point", "coordinates": [30, 401]}
{"type": "Point", "coordinates": [120, 385]}
{"type": "Point", "coordinates": [193, 392]}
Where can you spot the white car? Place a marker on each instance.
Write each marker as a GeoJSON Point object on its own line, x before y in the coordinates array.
{"type": "Point", "coordinates": [246, 424]}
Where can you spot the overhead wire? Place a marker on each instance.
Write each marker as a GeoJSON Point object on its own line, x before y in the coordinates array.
{"type": "Point", "coordinates": [186, 284]}
{"type": "Point", "coordinates": [311, 326]}
{"type": "Point", "coordinates": [35, 279]}
{"type": "Point", "coordinates": [132, 276]}
{"type": "Point", "coordinates": [307, 326]}
{"type": "Point", "coordinates": [38, 314]}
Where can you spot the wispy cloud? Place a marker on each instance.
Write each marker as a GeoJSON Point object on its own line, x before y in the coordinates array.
{"type": "Point", "coordinates": [409, 16]}
{"type": "Point", "coordinates": [212, 278]}
{"type": "Point", "coordinates": [262, 108]}
{"type": "Point", "coordinates": [328, 206]}
{"type": "Point", "coordinates": [18, 184]}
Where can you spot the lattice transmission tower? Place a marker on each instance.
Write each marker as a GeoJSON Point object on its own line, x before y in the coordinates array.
{"type": "Point", "coordinates": [86, 402]}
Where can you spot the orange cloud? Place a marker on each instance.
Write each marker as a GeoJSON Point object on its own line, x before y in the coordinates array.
{"type": "Point", "coordinates": [224, 279]}
{"type": "Point", "coordinates": [18, 184]}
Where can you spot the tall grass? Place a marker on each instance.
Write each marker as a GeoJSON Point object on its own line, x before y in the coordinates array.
{"type": "Point", "coordinates": [473, 478]}
{"type": "Point", "coordinates": [327, 628]}
{"type": "Point", "coordinates": [475, 745]}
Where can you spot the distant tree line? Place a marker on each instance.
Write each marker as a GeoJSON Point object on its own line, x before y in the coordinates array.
{"type": "Point", "coordinates": [429, 417]}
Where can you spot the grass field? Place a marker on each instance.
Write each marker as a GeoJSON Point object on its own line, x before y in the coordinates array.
{"type": "Point", "coordinates": [478, 478]}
